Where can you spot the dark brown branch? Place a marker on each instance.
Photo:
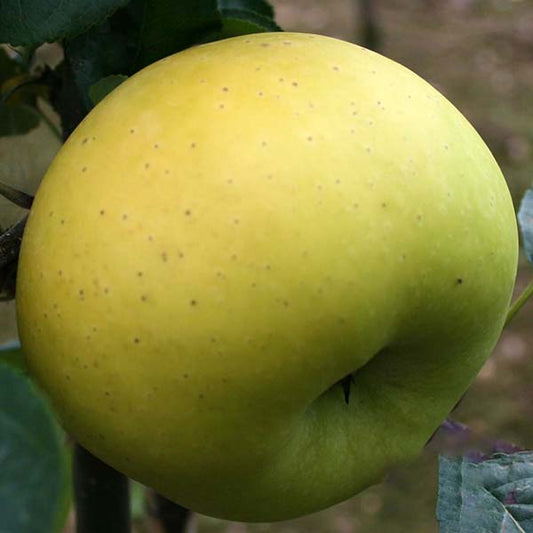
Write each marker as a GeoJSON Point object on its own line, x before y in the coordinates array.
{"type": "Point", "coordinates": [8, 281]}
{"type": "Point", "coordinates": [19, 198]}
{"type": "Point", "coordinates": [370, 30]}
{"type": "Point", "coordinates": [10, 241]}
{"type": "Point", "coordinates": [169, 516]}
{"type": "Point", "coordinates": [101, 494]}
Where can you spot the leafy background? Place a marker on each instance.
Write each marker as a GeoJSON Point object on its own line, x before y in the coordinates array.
{"type": "Point", "coordinates": [479, 53]}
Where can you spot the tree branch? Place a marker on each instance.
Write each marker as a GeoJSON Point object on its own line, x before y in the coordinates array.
{"type": "Point", "coordinates": [101, 494]}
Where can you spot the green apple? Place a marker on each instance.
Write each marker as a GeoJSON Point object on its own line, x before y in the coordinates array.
{"type": "Point", "coordinates": [263, 270]}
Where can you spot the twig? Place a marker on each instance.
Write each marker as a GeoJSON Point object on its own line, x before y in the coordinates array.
{"type": "Point", "coordinates": [169, 516]}
{"type": "Point", "coordinates": [10, 242]}
{"type": "Point", "coordinates": [101, 494]}
{"type": "Point", "coordinates": [371, 33]}
{"type": "Point", "coordinates": [519, 302]}
{"type": "Point", "coordinates": [17, 197]}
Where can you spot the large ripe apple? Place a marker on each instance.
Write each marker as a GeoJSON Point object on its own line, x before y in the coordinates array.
{"type": "Point", "coordinates": [235, 231]}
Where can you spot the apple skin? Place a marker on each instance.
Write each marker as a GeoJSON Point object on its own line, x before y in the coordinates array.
{"type": "Point", "coordinates": [235, 229]}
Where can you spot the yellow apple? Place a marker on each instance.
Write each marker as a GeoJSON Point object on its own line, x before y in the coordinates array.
{"type": "Point", "coordinates": [235, 235]}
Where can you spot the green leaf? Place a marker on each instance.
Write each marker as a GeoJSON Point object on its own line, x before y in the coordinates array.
{"type": "Point", "coordinates": [11, 355]}
{"type": "Point", "coordinates": [171, 26]}
{"type": "Point", "coordinates": [34, 22]}
{"type": "Point", "coordinates": [239, 22]}
{"type": "Point", "coordinates": [17, 119]}
{"type": "Point", "coordinates": [99, 90]}
{"type": "Point", "coordinates": [110, 48]}
{"type": "Point", "coordinates": [9, 66]}
{"type": "Point", "coordinates": [494, 495]}
{"type": "Point", "coordinates": [148, 30]}
{"type": "Point", "coordinates": [19, 113]}
{"type": "Point", "coordinates": [525, 220]}
{"type": "Point", "coordinates": [34, 472]}
{"type": "Point", "coordinates": [262, 7]}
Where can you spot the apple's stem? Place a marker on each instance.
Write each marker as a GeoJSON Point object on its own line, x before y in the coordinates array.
{"type": "Point", "coordinates": [101, 496]}
{"type": "Point", "coordinates": [519, 302]}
